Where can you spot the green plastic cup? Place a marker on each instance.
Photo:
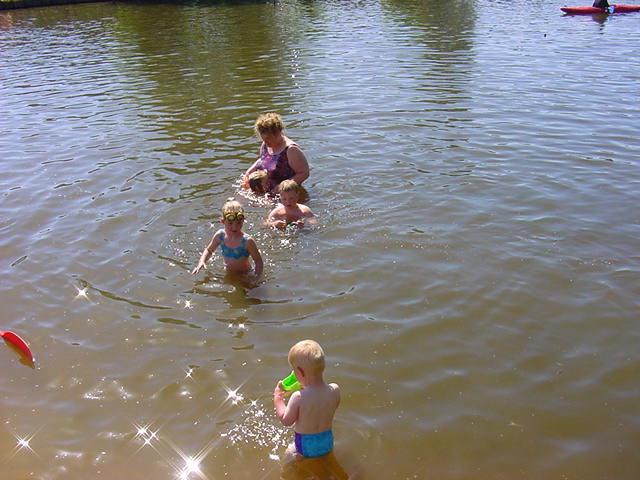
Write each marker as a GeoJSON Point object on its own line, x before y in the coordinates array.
{"type": "Point", "coordinates": [290, 383]}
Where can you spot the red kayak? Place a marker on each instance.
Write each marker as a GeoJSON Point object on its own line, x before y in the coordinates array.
{"type": "Point", "coordinates": [592, 10]}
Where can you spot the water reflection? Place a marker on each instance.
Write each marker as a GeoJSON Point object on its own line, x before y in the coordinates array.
{"type": "Point", "coordinates": [233, 289]}
{"type": "Point", "coordinates": [323, 468]}
{"type": "Point", "coordinates": [119, 298]}
{"type": "Point", "coordinates": [177, 321]}
{"type": "Point", "coordinates": [446, 25]}
{"type": "Point", "coordinates": [6, 20]}
{"type": "Point", "coordinates": [201, 67]}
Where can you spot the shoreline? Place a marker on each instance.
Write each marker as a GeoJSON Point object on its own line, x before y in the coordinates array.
{"type": "Point", "coordinates": [16, 4]}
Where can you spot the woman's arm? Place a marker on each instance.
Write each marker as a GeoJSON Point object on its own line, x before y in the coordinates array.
{"type": "Point", "coordinates": [298, 163]}
{"type": "Point", "coordinates": [250, 170]}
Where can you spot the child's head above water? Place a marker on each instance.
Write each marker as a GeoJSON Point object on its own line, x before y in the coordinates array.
{"type": "Point", "coordinates": [232, 210]}
{"type": "Point", "coordinates": [259, 182]}
{"type": "Point", "coordinates": [289, 192]}
{"type": "Point", "coordinates": [308, 356]}
{"type": "Point", "coordinates": [289, 186]}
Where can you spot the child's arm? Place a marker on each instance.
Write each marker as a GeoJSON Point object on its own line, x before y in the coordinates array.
{"type": "Point", "coordinates": [252, 248]}
{"type": "Point", "coordinates": [307, 218]}
{"type": "Point", "coordinates": [273, 221]}
{"type": "Point", "coordinates": [287, 414]}
{"type": "Point", "coordinates": [336, 392]}
{"type": "Point", "coordinates": [207, 252]}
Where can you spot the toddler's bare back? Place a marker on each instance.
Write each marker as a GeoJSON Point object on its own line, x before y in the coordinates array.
{"type": "Point", "coordinates": [318, 404]}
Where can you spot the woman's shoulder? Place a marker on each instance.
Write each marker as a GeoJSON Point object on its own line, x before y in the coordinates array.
{"type": "Point", "coordinates": [290, 143]}
{"type": "Point", "coordinates": [294, 150]}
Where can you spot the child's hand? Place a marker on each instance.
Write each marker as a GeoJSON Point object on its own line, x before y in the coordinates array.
{"type": "Point", "coordinates": [279, 391]}
{"type": "Point", "coordinates": [253, 280]}
{"type": "Point", "coordinates": [199, 267]}
{"type": "Point", "coordinates": [280, 224]}
{"type": "Point", "coordinates": [299, 223]}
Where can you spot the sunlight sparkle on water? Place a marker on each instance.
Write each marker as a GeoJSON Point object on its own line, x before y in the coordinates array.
{"type": "Point", "coordinates": [185, 466]}
{"type": "Point", "coordinates": [82, 292]}
{"type": "Point", "coordinates": [234, 396]}
{"type": "Point", "coordinates": [191, 463]}
{"type": "Point", "coordinates": [144, 433]}
{"type": "Point", "coordinates": [23, 443]}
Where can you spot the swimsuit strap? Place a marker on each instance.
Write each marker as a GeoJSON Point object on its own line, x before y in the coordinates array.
{"type": "Point", "coordinates": [234, 252]}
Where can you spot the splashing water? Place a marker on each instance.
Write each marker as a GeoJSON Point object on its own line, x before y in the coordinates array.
{"type": "Point", "coordinates": [257, 428]}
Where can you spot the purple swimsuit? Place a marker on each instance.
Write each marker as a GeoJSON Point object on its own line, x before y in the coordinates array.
{"type": "Point", "coordinates": [276, 165]}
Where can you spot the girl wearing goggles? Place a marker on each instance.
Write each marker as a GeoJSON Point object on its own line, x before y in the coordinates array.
{"type": "Point", "coordinates": [236, 247]}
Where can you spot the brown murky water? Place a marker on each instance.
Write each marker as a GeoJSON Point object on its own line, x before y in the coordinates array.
{"type": "Point", "coordinates": [474, 279]}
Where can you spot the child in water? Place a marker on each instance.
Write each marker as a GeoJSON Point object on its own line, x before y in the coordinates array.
{"type": "Point", "coordinates": [311, 409]}
{"type": "Point", "coordinates": [289, 211]}
{"type": "Point", "coordinates": [235, 245]}
{"type": "Point", "coordinates": [259, 182]}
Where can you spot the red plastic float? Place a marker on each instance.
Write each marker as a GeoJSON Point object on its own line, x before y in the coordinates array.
{"type": "Point", "coordinates": [15, 340]}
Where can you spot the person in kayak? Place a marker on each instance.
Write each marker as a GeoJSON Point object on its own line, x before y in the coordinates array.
{"type": "Point", "coordinates": [603, 4]}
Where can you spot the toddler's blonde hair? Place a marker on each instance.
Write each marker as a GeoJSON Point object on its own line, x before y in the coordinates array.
{"type": "Point", "coordinates": [255, 180]}
{"type": "Point", "coordinates": [269, 123]}
{"type": "Point", "coordinates": [289, 186]}
{"type": "Point", "coordinates": [308, 355]}
{"type": "Point", "coordinates": [232, 206]}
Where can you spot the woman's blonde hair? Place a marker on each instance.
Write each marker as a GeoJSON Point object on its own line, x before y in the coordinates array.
{"type": "Point", "coordinates": [232, 206]}
{"type": "Point", "coordinates": [269, 123]}
{"type": "Point", "coordinates": [308, 355]}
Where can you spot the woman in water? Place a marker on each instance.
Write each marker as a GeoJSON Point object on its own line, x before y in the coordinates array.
{"type": "Point", "coordinates": [280, 156]}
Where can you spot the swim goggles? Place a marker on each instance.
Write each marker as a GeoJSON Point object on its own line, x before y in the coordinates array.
{"type": "Point", "coordinates": [234, 216]}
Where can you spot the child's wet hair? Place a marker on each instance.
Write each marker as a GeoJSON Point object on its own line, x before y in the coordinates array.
{"type": "Point", "coordinates": [289, 186]}
{"type": "Point", "coordinates": [308, 355]}
{"type": "Point", "coordinates": [269, 123]}
{"type": "Point", "coordinates": [255, 181]}
{"type": "Point", "coordinates": [232, 206]}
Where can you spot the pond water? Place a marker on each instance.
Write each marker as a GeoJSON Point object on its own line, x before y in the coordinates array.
{"type": "Point", "coordinates": [474, 278]}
